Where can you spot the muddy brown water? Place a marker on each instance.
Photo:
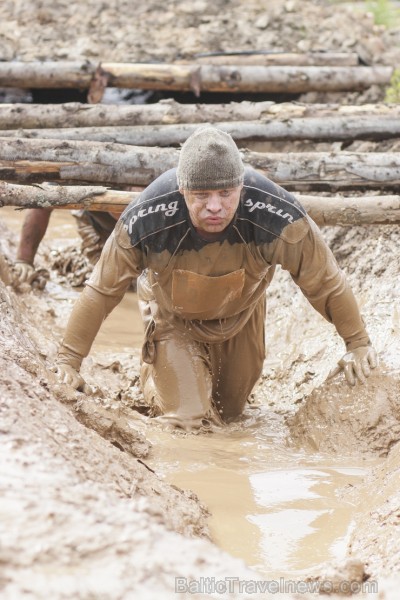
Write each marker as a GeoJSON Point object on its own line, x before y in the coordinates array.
{"type": "Point", "coordinates": [279, 510]}
{"type": "Point", "coordinates": [282, 511]}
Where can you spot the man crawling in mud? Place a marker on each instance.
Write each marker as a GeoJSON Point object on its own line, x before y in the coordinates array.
{"type": "Point", "coordinates": [204, 240]}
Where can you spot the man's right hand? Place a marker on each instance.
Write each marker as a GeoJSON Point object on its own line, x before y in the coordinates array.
{"type": "Point", "coordinates": [70, 376]}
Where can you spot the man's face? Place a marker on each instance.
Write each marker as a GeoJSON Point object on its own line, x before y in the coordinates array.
{"type": "Point", "coordinates": [211, 211]}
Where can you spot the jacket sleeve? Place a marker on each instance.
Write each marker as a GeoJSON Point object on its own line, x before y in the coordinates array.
{"type": "Point", "coordinates": [315, 270]}
{"type": "Point", "coordinates": [111, 278]}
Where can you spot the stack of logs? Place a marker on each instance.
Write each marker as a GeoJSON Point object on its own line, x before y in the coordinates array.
{"type": "Point", "coordinates": [89, 148]}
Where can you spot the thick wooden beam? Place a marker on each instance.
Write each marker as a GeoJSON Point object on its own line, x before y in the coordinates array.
{"type": "Point", "coordinates": [48, 74]}
{"type": "Point", "coordinates": [49, 196]}
{"type": "Point", "coordinates": [359, 210]}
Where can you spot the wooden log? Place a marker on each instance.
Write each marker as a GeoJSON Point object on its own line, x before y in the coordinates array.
{"type": "Point", "coordinates": [60, 196]}
{"type": "Point", "coordinates": [30, 171]}
{"type": "Point", "coordinates": [366, 210]}
{"type": "Point", "coordinates": [328, 171]}
{"type": "Point", "coordinates": [138, 165]}
{"type": "Point", "coordinates": [49, 74]}
{"type": "Point", "coordinates": [210, 78]}
{"type": "Point", "coordinates": [74, 114]}
{"type": "Point", "coordinates": [342, 59]}
{"type": "Point", "coordinates": [328, 128]}
{"type": "Point", "coordinates": [84, 161]}
{"type": "Point", "coordinates": [330, 211]}
{"type": "Point", "coordinates": [47, 195]}
{"type": "Point", "coordinates": [197, 78]}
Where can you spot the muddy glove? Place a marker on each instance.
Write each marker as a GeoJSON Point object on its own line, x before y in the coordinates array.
{"type": "Point", "coordinates": [356, 364]}
{"type": "Point", "coordinates": [70, 376]}
{"type": "Point", "coordinates": [24, 272]}
{"type": "Point", "coordinates": [67, 368]}
{"type": "Point", "coordinates": [88, 313]}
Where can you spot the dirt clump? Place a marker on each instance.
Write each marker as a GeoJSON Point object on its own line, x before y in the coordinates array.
{"type": "Point", "coordinates": [339, 419]}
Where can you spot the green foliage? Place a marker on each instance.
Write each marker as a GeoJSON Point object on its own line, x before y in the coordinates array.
{"type": "Point", "coordinates": [384, 11]}
{"type": "Point", "coordinates": [392, 95]}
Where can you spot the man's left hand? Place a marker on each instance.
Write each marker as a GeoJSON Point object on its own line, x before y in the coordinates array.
{"type": "Point", "coordinates": [356, 364]}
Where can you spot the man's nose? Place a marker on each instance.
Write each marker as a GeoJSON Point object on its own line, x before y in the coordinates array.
{"type": "Point", "coordinates": [214, 203]}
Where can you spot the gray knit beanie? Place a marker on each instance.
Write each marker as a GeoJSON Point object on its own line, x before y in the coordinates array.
{"type": "Point", "coordinates": [209, 160]}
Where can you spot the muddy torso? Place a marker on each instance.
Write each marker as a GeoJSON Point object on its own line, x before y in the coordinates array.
{"type": "Point", "coordinates": [212, 288]}
{"type": "Point", "coordinates": [197, 280]}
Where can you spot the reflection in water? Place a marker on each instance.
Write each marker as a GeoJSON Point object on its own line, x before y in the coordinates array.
{"type": "Point", "coordinates": [300, 516]}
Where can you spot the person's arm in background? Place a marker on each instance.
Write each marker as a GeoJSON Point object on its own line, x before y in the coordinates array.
{"type": "Point", "coordinates": [33, 231]}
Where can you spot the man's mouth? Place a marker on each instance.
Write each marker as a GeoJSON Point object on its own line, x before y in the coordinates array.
{"type": "Point", "coordinates": [214, 220]}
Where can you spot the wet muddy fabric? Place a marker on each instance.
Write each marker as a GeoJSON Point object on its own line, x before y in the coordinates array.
{"type": "Point", "coordinates": [209, 291]}
{"type": "Point", "coordinates": [195, 384]}
{"type": "Point", "coordinates": [270, 228]}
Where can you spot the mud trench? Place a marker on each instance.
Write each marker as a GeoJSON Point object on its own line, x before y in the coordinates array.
{"type": "Point", "coordinates": [299, 489]}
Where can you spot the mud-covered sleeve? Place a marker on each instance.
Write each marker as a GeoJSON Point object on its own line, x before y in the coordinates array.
{"type": "Point", "coordinates": [315, 270]}
{"type": "Point", "coordinates": [111, 278]}
{"type": "Point", "coordinates": [116, 268]}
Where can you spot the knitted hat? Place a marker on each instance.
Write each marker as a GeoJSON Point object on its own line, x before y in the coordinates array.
{"type": "Point", "coordinates": [209, 160]}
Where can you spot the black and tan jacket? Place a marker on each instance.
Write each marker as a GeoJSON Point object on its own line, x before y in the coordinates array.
{"type": "Point", "coordinates": [211, 288]}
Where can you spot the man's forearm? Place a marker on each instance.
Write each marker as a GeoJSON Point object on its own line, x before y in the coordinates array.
{"type": "Point", "coordinates": [315, 270]}
{"type": "Point", "coordinates": [345, 314]}
{"type": "Point", "coordinates": [89, 312]}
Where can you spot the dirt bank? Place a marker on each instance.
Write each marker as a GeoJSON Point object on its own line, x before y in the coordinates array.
{"type": "Point", "coordinates": [130, 31]}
